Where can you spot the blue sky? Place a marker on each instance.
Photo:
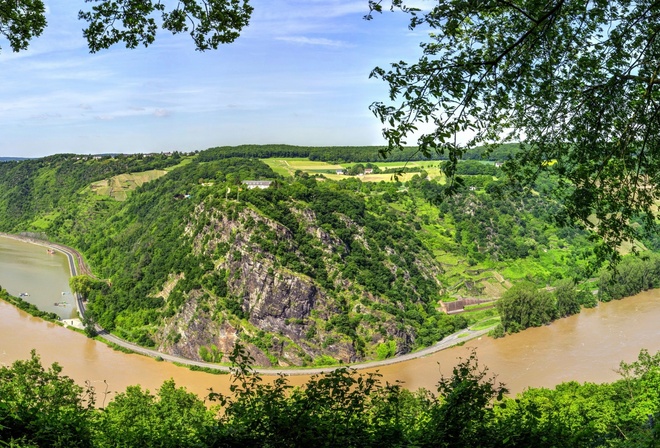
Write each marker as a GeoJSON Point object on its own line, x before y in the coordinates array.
{"type": "Point", "coordinates": [299, 74]}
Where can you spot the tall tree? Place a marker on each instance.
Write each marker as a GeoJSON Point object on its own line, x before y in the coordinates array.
{"type": "Point", "coordinates": [575, 81]}
{"type": "Point", "coordinates": [209, 22]}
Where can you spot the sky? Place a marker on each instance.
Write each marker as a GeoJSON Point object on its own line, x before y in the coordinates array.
{"type": "Point", "coordinates": [299, 75]}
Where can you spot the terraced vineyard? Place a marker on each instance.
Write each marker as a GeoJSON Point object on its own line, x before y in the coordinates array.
{"type": "Point", "coordinates": [118, 187]}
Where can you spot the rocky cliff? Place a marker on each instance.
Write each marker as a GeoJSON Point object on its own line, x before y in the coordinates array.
{"type": "Point", "coordinates": [273, 304]}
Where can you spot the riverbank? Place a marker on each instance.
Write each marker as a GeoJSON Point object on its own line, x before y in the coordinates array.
{"type": "Point", "coordinates": [117, 343]}
{"type": "Point", "coordinates": [584, 347]}
{"type": "Point", "coordinates": [76, 264]}
{"type": "Point", "coordinates": [455, 339]}
{"type": "Point", "coordinates": [29, 308]}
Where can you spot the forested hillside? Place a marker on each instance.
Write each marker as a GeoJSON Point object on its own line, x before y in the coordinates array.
{"type": "Point", "coordinates": [302, 271]}
{"type": "Point", "coordinates": [308, 271]}
{"type": "Point", "coordinates": [43, 194]}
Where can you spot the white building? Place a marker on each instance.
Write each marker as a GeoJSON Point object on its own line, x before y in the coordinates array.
{"type": "Point", "coordinates": [263, 184]}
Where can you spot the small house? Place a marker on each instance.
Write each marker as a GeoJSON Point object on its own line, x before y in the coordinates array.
{"type": "Point", "coordinates": [262, 184]}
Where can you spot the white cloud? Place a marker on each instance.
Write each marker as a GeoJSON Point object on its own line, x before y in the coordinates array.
{"type": "Point", "coordinates": [305, 10]}
{"type": "Point", "coordinates": [160, 113]}
{"type": "Point", "coordinates": [305, 16]}
{"type": "Point", "coordinates": [313, 41]}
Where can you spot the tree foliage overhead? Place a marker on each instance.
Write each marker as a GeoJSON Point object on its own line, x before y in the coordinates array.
{"type": "Point", "coordinates": [576, 82]}
{"type": "Point", "coordinates": [21, 21]}
{"type": "Point", "coordinates": [133, 22]}
{"type": "Point", "coordinates": [209, 22]}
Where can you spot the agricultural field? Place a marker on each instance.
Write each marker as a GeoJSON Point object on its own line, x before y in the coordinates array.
{"type": "Point", "coordinates": [288, 167]}
{"type": "Point", "coordinates": [118, 187]}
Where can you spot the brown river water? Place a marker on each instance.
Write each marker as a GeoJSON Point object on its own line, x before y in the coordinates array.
{"type": "Point", "coordinates": [30, 269]}
{"type": "Point", "coordinates": [586, 347]}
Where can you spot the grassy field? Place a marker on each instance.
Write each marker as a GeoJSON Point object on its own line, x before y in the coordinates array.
{"type": "Point", "coordinates": [118, 187]}
{"type": "Point", "coordinates": [288, 167]}
{"type": "Point", "coordinates": [487, 323]}
{"type": "Point", "coordinates": [184, 161]}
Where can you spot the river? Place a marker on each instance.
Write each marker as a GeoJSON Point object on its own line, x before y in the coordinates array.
{"type": "Point", "coordinates": [586, 347]}
{"type": "Point", "coordinates": [49, 289]}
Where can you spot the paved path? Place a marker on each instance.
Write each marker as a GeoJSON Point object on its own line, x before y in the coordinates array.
{"type": "Point", "coordinates": [73, 256]}
{"type": "Point", "coordinates": [447, 342]}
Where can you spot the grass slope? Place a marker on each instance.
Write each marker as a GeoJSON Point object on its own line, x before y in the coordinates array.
{"type": "Point", "coordinates": [119, 187]}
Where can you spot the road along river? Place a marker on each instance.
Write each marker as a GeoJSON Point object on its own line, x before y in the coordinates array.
{"type": "Point", "coordinates": [587, 347]}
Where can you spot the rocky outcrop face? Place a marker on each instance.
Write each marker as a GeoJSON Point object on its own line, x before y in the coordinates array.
{"type": "Point", "coordinates": [283, 316]}
{"type": "Point", "coordinates": [192, 328]}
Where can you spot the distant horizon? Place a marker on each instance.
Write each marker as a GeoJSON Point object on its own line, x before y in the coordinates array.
{"type": "Point", "coordinates": [12, 157]}
{"type": "Point", "coordinates": [115, 153]}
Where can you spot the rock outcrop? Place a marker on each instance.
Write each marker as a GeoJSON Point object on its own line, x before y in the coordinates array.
{"type": "Point", "coordinates": [281, 314]}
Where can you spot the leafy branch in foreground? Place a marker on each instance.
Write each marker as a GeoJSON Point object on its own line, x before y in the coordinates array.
{"type": "Point", "coordinates": [576, 82]}
{"type": "Point", "coordinates": [209, 22]}
{"type": "Point", "coordinates": [346, 408]}
{"type": "Point", "coordinates": [20, 21]}
{"type": "Point", "coordinates": [40, 407]}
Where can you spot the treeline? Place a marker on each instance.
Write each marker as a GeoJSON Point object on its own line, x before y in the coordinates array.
{"type": "Point", "coordinates": [525, 305]}
{"type": "Point", "coordinates": [474, 168]}
{"type": "Point", "coordinates": [631, 276]}
{"type": "Point", "coordinates": [346, 153]}
{"type": "Point", "coordinates": [41, 407]}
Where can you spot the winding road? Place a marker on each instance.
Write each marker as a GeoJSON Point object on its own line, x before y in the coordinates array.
{"type": "Point", "coordinates": [77, 265]}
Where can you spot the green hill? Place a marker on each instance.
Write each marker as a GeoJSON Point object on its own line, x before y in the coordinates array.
{"type": "Point", "coordinates": [308, 271]}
